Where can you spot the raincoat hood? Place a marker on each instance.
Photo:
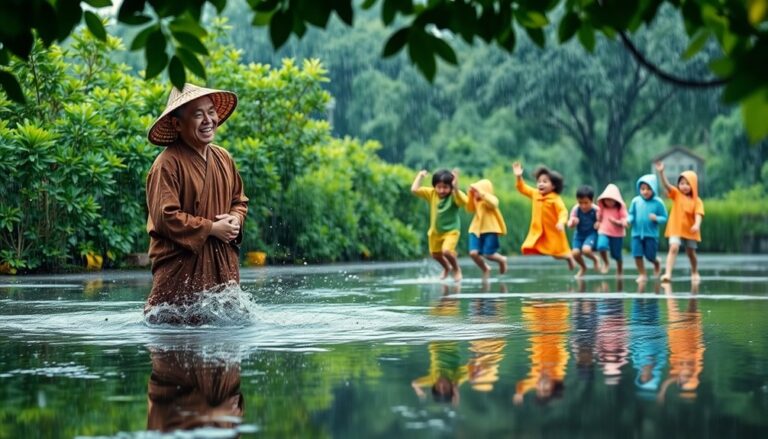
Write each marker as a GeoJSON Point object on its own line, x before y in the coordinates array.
{"type": "Point", "coordinates": [693, 180]}
{"type": "Point", "coordinates": [611, 192]}
{"type": "Point", "coordinates": [651, 181]}
{"type": "Point", "coordinates": [485, 186]}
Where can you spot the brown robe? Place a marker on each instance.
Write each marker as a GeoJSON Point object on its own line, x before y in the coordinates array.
{"type": "Point", "coordinates": [184, 195]}
{"type": "Point", "coordinates": [186, 392]}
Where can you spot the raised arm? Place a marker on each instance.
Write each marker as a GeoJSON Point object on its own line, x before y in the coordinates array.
{"type": "Point", "coordinates": [664, 181]}
{"type": "Point", "coordinates": [417, 181]}
{"type": "Point", "coordinates": [459, 197]}
{"type": "Point", "coordinates": [523, 188]}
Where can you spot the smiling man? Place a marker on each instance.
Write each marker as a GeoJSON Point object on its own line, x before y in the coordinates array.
{"type": "Point", "coordinates": [195, 199]}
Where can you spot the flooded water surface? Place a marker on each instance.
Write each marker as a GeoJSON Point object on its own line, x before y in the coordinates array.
{"type": "Point", "coordinates": [388, 350]}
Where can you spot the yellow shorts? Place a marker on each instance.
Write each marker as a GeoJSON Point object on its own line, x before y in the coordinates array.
{"type": "Point", "coordinates": [440, 242]}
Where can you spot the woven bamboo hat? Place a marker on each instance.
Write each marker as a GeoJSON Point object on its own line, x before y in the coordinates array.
{"type": "Point", "coordinates": [162, 132]}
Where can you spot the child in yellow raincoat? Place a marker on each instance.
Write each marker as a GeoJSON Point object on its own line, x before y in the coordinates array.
{"type": "Point", "coordinates": [546, 235]}
{"type": "Point", "coordinates": [486, 227]}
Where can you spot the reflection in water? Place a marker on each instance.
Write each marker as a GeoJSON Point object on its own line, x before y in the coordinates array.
{"type": "Point", "coordinates": [548, 324]}
{"type": "Point", "coordinates": [486, 354]}
{"type": "Point", "coordinates": [648, 342]}
{"type": "Point", "coordinates": [686, 345]}
{"type": "Point", "coordinates": [583, 341]}
{"type": "Point", "coordinates": [612, 347]}
{"type": "Point", "coordinates": [446, 373]}
{"type": "Point", "coordinates": [189, 391]}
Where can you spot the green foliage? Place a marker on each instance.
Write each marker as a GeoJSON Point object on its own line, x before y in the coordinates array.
{"type": "Point", "coordinates": [737, 223]}
{"type": "Point", "coordinates": [426, 30]}
{"type": "Point", "coordinates": [74, 158]}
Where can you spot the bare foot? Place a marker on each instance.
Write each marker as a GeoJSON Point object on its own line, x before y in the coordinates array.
{"type": "Point", "coordinates": [641, 279]}
{"type": "Point", "coordinates": [579, 274]}
{"type": "Point", "coordinates": [571, 264]}
{"type": "Point", "coordinates": [666, 278]}
{"type": "Point", "coordinates": [657, 268]}
{"type": "Point", "coordinates": [604, 268]}
{"type": "Point", "coordinates": [457, 275]}
{"type": "Point", "coordinates": [445, 274]}
{"type": "Point", "coordinates": [486, 271]}
{"type": "Point", "coordinates": [503, 265]}
{"type": "Point", "coordinates": [695, 277]}
{"type": "Point", "coordinates": [598, 266]}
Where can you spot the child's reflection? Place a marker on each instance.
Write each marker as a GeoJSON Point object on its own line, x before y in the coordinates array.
{"type": "Point", "coordinates": [446, 371]}
{"type": "Point", "coordinates": [611, 339]}
{"type": "Point", "coordinates": [648, 342]}
{"type": "Point", "coordinates": [583, 339]}
{"type": "Point", "coordinates": [548, 324]}
{"type": "Point", "coordinates": [686, 345]}
{"type": "Point", "coordinates": [187, 391]}
{"type": "Point", "coordinates": [486, 354]}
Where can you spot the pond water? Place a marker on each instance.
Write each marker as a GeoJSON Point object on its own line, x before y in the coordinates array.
{"type": "Point", "coordinates": [387, 350]}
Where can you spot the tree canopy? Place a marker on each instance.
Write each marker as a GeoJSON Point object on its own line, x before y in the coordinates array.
{"type": "Point", "coordinates": [172, 33]}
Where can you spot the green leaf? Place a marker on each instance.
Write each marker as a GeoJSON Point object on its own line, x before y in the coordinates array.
{"type": "Point", "coordinates": [280, 28]}
{"type": "Point", "coordinates": [140, 40]}
{"type": "Point", "coordinates": [568, 27]}
{"type": "Point", "coordinates": [344, 11]}
{"type": "Point", "coordinates": [388, 11]}
{"type": "Point", "coordinates": [219, 4]}
{"type": "Point", "coordinates": [444, 50]}
{"type": "Point", "coordinates": [396, 42]}
{"type": "Point", "coordinates": [754, 110]}
{"type": "Point", "coordinates": [262, 18]}
{"type": "Point", "coordinates": [99, 3]}
{"type": "Point", "coordinates": [156, 56]}
{"type": "Point", "coordinates": [587, 37]}
{"type": "Point", "coordinates": [722, 67]}
{"type": "Point", "coordinates": [191, 42]}
{"type": "Point", "coordinates": [95, 25]}
{"type": "Point", "coordinates": [368, 4]}
{"type": "Point", "coordinates": [11, 86]}
{"type": "Point", "coordinates": [420, 53]}
{"type": "Point", "coordinates": [697, 43]}
{"type": "Point", "coordinates": [531, 19]}
{"type": "Point", "coordinates": [537, 36]}
{"type": "Point", "coordinates": [176, 73]}
{"type": "Point", "coordinates": [189, 25]}
{"type": "Point", "coordinates": [191, 62]}
{"type": "Point", "coordinates": [507, 40]}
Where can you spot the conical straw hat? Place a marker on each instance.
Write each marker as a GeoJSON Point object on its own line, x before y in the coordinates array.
{"type": "Point", "coordinates": [162, 132]}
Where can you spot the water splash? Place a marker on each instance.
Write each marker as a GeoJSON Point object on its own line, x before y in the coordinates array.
{"type": "Point", "coordinates": [227, 305]}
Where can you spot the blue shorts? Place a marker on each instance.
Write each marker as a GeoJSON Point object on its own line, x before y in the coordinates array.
{"type": "Point", "coordinates": [645, 247]}
{"type": "Point", "coordinates": [611, 243]}
{"type": "Point", "coordinates": [486, 244]}
{"type": "Point", "coordinates": [580, 240]}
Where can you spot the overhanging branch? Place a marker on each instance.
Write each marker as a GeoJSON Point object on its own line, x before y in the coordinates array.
{"type": "Point", "coordinates": [664, 76]}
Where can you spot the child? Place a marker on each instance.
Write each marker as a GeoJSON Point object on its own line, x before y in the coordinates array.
{"type": "Point", "coordinates": [646, 212]}
{"type": "Point", "coordinates": [684, 226]}
{"type": "Point", "coordinates": [584, 218]}
{"type": "Point", "coordinates": [487, 225]}
{"type": "Point", "coordinates": [546, 235]}
{"type": "Point", "coordinates": [444, 199]}
{"type": "Point", "coordinates": [611, 220]}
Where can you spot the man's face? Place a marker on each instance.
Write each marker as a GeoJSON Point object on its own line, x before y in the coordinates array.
{"type": "Point", "coordinates": [645, 191]}
{"type": "Point", "coordinates": [443, 189]}
{"type": "Point", "coordinates": [198, 122]}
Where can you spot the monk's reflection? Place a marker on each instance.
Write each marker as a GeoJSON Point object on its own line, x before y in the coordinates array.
{"type": "Point", "coordinates": [187, 391]}
{"type": "Point", "coordinates": [446, 371]}
{"type": "Point", "coordinates": [486, 354]}
{"type": "Point", "coordinates": [549, 326]}
{"type": "Point", "coordinates": [612, 349]}
{"type": "Point", "coordinates": [686, 345]}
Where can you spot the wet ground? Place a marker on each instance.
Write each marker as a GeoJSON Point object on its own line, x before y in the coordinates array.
{"type": "Point", "coordinates": [388, 350]}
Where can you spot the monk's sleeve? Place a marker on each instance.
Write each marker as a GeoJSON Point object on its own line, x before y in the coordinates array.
{"type": "Point", "coordinates": [524, 188]}
{"type": "Point", "coordinates": [169, 221]}
{"type": "Point", "coordinates": [239, 202]}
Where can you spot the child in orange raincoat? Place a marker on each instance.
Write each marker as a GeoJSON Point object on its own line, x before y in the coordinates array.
{"type": "Point", "coordinates": [546, 235]}
{"type": "Point", "coordinates": [684, 223]}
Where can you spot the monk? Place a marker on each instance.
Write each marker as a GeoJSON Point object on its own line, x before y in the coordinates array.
{"type": "Point", "coordinates": [195, 200]}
